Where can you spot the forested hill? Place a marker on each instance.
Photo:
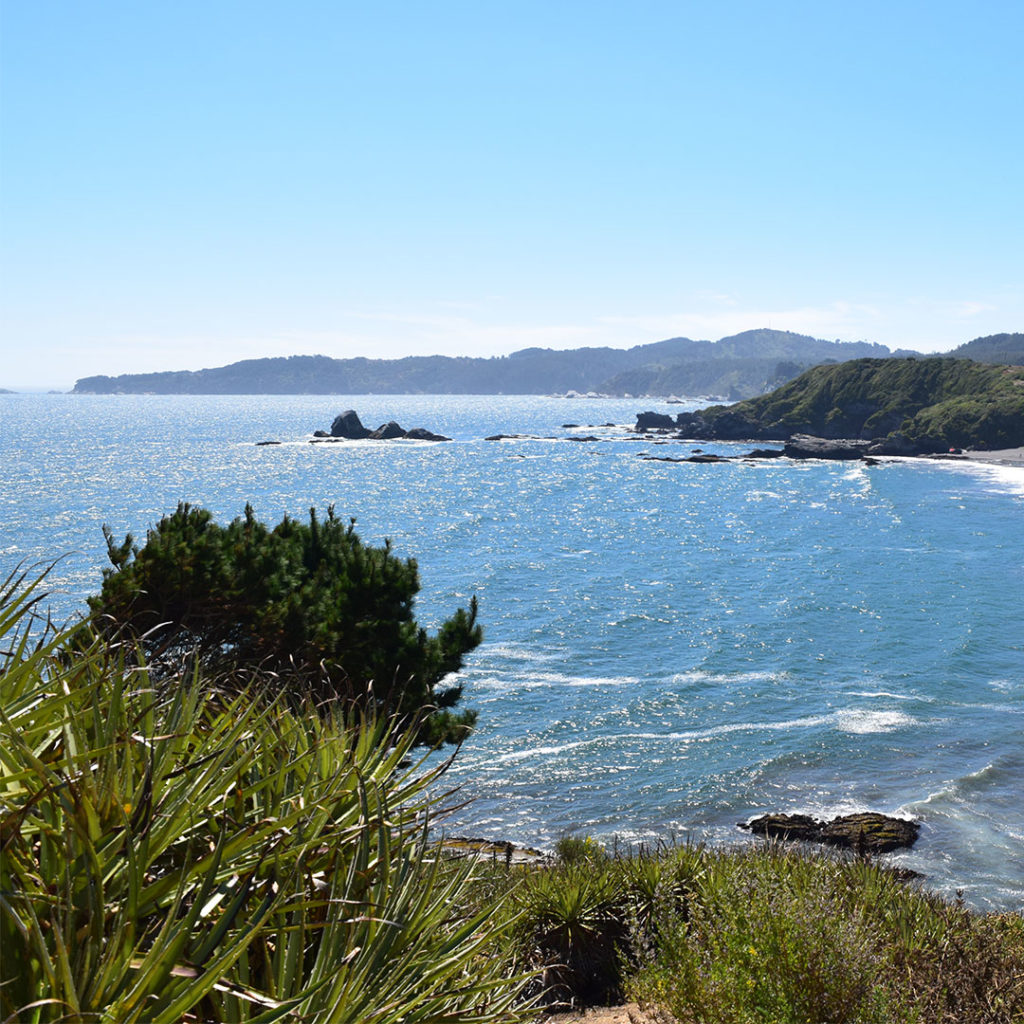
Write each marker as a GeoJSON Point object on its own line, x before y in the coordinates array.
{"type": "Point", "coordinates": [917, 404]}
{"type": "Point", "coordinates": [740, 365]}
{"type": "Point", "coordinates": [996, 348]}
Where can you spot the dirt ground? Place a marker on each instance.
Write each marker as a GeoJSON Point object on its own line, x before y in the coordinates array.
{"type": "Point", "coordinates": [628, 1014]}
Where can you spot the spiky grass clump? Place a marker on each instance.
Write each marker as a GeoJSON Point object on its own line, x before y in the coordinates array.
{"type": "Point", "coordinates": [177, 854]}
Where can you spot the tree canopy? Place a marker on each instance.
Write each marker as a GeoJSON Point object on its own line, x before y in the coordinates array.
{"type": "Point", "coordinates": [307, 601]}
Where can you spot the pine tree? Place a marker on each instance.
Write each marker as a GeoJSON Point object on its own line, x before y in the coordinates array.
{"type": "Point", "coordinates": [309, 603]}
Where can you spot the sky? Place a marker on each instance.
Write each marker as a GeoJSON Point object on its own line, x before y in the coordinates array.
{"type": "Point", "coordinates": [186, 184]}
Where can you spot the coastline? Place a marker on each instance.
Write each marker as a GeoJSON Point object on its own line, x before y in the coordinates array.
{"type": "Point", "coordinates": [1000, 457]}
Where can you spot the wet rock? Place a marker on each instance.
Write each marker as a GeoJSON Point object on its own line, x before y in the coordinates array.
{"type": "Point", "coordinates": [868, 832]}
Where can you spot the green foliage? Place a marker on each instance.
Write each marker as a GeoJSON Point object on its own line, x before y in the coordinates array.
{"type": "Point", "coordinates": [580, 850]}
{"type": "Point", "coordinates": [941, 401]}
{"type": "Point", "coordinates": [776, 935]}
{"type": "Point", "coordinates": [309, 602]}
{"type": "Point", "coordinates": [574, 928]}
{"type": "Point", "coordinates": [995, 348]}
{"type": "Point", "coordinates": [179, 853]}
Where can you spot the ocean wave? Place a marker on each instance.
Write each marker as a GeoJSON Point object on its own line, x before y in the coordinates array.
{"type": "Point", "coordinates": [859, 720]}
{"type": "Point", "coordinates": [690, 735]}
{"type": "Point", "coordinates": [1007, 479]}
{"type": "Point", "coordinates": [514, 681]}
{"type": "Point", "coordinates": [701, 676]}
{"type": "Point", "coordinates": [519, 652]}
{"type": "Point", "coordinates": [888, 694]}
{"type": "Point", "coordinates": [957, 792]}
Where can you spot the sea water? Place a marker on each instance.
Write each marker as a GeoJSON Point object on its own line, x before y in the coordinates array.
{"type": "Point", "coordinates": [670, 648]}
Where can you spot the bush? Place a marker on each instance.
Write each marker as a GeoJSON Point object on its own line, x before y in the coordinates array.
{"type": "Point", "coordinates": [331, 617]}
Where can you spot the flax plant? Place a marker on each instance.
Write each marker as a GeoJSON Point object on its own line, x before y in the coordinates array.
{"type": "Point", "coordinates": [176, 852]}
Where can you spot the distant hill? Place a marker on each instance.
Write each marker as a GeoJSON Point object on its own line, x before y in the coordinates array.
{"type": "Point", "coordinates": [740, 365]}
{"type": "Point", "coordinates": [924, 404]}
{"type": "Point", "coordinates": [996, 348]}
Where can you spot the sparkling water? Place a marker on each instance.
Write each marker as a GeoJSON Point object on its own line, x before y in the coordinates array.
{"type": "Point", "coordinates": [670, 648]}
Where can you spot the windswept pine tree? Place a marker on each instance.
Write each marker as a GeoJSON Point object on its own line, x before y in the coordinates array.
{"type": "Point", "coordinates": [307, 602]}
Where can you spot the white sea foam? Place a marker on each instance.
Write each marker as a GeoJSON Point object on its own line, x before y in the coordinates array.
{"type": "Point", "coordinates": [884, 693]}
{"type": "Point", "coordinates": [700, 676]}
{"type": "Point", "coordinates": [858, 720]}
{"type": "Point", "coordinates": [1002, 479]}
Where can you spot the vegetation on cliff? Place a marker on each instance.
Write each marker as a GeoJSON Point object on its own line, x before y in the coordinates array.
{"type": "Point", "coordinates": [919, 403]}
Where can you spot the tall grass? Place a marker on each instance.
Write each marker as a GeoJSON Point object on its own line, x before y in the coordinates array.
{"type": "Point", "coordinates": [179, 853]}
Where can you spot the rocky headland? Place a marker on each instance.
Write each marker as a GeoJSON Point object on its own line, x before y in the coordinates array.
{"type": "Point", "coordinates": [870, 407]}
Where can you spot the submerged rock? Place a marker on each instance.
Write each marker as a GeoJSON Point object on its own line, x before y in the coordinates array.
{"type": "Point", "coordinates": [867, 832]}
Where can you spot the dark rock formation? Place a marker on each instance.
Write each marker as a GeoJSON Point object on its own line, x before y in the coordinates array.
{"type": "Point", "coordinates": [348, 425]}
{"type": "Point", "coordinates": [765, 453]}
{"type": "Point", "coordinates": [387, 432]}
{"type": "Point", "coordinates": [654, 421]}
{"type": "Point", "coordinates": [868, 832]}
{"type": "Point", "coordinates": [422, 434]}
{"type": "Point", "coordinates": [263, 444]}
{"type": "Point", "coordinates": [804, 446]}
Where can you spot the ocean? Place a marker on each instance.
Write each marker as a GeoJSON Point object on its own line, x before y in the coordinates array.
{"type": "Point", "coordinates": [670, 648]}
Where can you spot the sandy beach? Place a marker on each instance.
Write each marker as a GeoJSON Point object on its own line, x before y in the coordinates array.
{"type": "Point", "coordinates": [1003, 457]}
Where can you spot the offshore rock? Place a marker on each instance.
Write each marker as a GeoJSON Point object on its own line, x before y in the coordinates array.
{"type": "Point", "coordinates": [422, 434]}
{"type": "Point", "coordinates": [654, 421]}
{"type": "Point", "coordinates": [804, 446]}
{"type": "Point", "coordinates": [387, 432]}
{"type": "Point", "coordinates": [868, 832]}
{"type": "Point", "coordinates": [348, 425]}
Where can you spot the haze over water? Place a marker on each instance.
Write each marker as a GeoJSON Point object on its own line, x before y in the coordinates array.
{"type": "Point", "coordinates": [669, 648]}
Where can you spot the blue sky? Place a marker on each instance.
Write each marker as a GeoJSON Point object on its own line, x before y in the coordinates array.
{"type": "Point", "coordinates": [186, 184]}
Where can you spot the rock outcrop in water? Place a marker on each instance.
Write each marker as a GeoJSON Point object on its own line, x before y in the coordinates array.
{"type": "Point", "coordinates": [867, 832]}
{"type": "Point", "coordinates": [348, 426]}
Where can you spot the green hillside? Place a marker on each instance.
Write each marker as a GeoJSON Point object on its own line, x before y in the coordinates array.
{"type": "Point", "coordinates": [996, 348]}
{"type": "Point", "coordinates": [741, 365]}
{"type": "Point", "coordinates": [929, 404]}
